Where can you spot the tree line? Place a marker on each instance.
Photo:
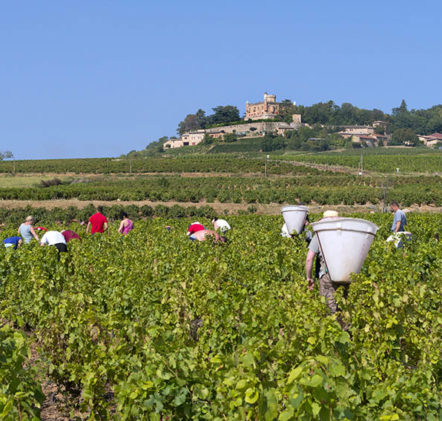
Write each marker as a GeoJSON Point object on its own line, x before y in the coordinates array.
{"type": "Point", "coordinates": [199, 120]}
{"type": "Point", "coordinates": [425, 121]}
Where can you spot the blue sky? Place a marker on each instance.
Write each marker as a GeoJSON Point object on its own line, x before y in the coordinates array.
{"type": "Point", "coordinates": [102, 77]}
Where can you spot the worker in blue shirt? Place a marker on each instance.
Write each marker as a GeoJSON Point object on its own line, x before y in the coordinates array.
{"type": "Point", "coordinates": [400, 219]}
{"type": "Point", "coordinates": [13, 242]}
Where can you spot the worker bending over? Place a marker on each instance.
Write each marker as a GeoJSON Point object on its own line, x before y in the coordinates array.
{"type": "Point", "coordinates": [56, 239]}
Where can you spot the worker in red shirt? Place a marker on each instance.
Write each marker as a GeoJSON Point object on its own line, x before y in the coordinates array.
{"type": "Point", "coordinates": [193, 228]}
{"type": "Point", "coordinates": [70, 235]}
{"type": "Point", "coordinates": [97, 222]}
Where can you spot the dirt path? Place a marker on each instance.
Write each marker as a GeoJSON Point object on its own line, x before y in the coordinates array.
{"type": "Point", "coordinates": [232, 208]}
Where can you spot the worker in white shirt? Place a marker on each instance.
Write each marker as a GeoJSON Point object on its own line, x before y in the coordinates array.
{"type": "Point", "coordinates": [54, 238]}
{"type": "Point", "coordinates": [220, 225]}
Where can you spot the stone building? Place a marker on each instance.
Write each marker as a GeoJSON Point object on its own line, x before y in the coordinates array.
{"type": "Point", "coordinates": [187, 139]}
{"type": "Point", "coordinates": [431, 140]}
{"type": "Point", "coordinates": [256, 129]}
{"type": "Point", "coordinates": [267, 109]}
{"type": "Point", "coordinates": [349, 131]}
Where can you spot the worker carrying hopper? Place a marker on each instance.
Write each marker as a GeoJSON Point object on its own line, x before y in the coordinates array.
{"type": "Point", "coordinates": [342, 245]}
{"type": "Point", "coordinates": [327, 287]}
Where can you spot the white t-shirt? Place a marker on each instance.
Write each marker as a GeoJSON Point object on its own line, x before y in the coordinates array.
{"type": "Point", "coordinates": [222, 225]}
{"type": "Point", "coordinates": [53, 237]}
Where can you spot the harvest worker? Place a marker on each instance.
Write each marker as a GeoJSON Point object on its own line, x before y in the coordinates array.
{"type": "Point", "coordinates": [195, 227]}
{"type": "Point", "coordinates": [26, 230]}
{"type": "Point", "coordinates": [203, 235]}
{"type": "Point", "coordinates": [126, 225]}
{"type": "Point", "coordinates": [220, 224]}
{"type": "Point", "coordinates": [13, 242]}
{"type": "Point", "coordinates": [69, 235]}
{"type": "Point", "coordinates": [308, 234]}
{"type": "Point", "coordinates": [327, 287]}
{"type": "Point", "coordinates": [97, 222]}
{"type": "Point", "coordinates": [54, 238]}
{"type": "Point", "coordinates": [400, 220]}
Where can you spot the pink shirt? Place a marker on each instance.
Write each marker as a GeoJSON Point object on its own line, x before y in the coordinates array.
{"type": "Point", "coordinates": [128, 227]}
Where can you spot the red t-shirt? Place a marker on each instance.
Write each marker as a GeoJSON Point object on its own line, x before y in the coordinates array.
{"type": "Point", "coordinates": [97, 221]}
{"type": "Point", "coordinates": [195, 228]}
{"type": "Point", "coordinates": [69, 235]}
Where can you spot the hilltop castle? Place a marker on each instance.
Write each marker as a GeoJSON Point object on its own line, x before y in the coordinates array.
{"type": "Point", "coordinates": [267, 109]}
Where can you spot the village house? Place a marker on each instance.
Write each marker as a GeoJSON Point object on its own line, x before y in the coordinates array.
{"type": "Point", "coordinates": [349, 131]}
{"type": "Point", "coordinates": [187, 139]}
{"type": "Point", "coordinates": [431, 140]}
{"type": "Point", "coordinates": [370, 141]}
{"type": "Point", "coordinates": [380, 123]}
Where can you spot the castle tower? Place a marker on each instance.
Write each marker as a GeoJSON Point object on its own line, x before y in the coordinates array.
{"type": "Point", "coordinates": [267, 109]}
{"type": "Point", "coordinates": [269, 98]}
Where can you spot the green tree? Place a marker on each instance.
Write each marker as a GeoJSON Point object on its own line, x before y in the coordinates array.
{"type": "Point", "coordinates": [286, 110]}
{"type": "Point", "coordinates": [230, 137]}
{"type": "Point", "coordinates": [404, 137]}
{"type": "Point", "coordinates": [190, 122]}
{"type": "Point", "coordinates": [401, 109]}
{"type": "Point", "coordinates": [379, 129]}
{"type": "Point", "coordinates": [273, 143]}
{"type": "Point", "coordinates": [224, 114]}
{"type": "Point", "coordinates": [208, 140]}
{"type": "Point", "coordinates": [201, 118]}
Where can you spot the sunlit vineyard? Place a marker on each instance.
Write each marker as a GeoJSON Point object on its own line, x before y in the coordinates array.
{"type": "Point", "coordinates": [217, 163]}
{"type": "Point", "coordinates": [306, 186]}
{"type": "Point", "coordinates": [411, 162]}
{"type": "Point", "coordinates": [154, 326]}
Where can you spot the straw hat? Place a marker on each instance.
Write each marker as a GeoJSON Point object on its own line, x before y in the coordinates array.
{"type": "Point", "coordinates": [29, 218]}
{"type": "Point", "coordinates": [330, 214]}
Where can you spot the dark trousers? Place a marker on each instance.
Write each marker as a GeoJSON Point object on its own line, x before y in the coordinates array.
{"type": "Point", "coordinates": [61, 247]}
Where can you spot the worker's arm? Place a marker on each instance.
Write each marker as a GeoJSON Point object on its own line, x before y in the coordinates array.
{"type": "Point", "coordinates": [87, 228]}
{"type": "Point", "coordinates": [120, 230]}
{"type": "Point", "coordinates": [398, 225]}
{"type": "Point", "coordinates": [34, 234]}
{"type": "Point", "coordinates": [309, 268]}
{"type": "Point", "coordinates": [105, 226]}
